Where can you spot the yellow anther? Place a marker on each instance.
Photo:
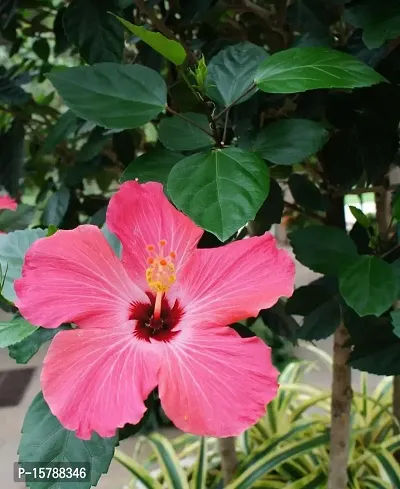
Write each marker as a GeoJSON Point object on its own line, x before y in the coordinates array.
{"type": "Point", "coordinates": [160, 275]}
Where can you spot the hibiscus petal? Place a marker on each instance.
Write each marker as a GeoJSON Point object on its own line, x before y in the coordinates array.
{"type": "Point", "coordinates": [141, 215]}
{"type": "Point", "coordinates": [7, 202]}
{"type": "Point", "coordinates": [97, 380]}
{"type": "Point", "coordinates": [215, 383]}
{"type": "Point", "coordinates": [227, 284]}
{"type": "Point", "coordinates": [74, 276]}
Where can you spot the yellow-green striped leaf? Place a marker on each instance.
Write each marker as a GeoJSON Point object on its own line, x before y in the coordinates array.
{"type": "Point", "coordinates": [310, 481]}
{"type": "Point", "coordinates": [170, 465]}
{"type": "Point", "coordinates": [136, 470]}
{"type": "Point", "coordinates": [390, 465]}
{"type": "Point", "coordinates": [272, 460]}
{"type": "Point", "coordinates": [200, 469]}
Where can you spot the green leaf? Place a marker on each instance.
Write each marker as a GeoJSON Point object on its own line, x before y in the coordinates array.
{"type": "Point", "coordinates": [322, 322]}
{"type": "Point", "coordinates": [395, 315]}
{"type": "Point", "coordinates": [153, 166]}
{"type": "Point", "coordinates": [396, 207]}
{"type": "Point", "coordinates": [273, 458]}
{"type": "Point", "coordinates": [13, 247]}
{"type": "Point", "coordinates": [56, 207]}
{"type": "Point", "coordinates": [220, 190]}
{"type": "Point", "coordinates": [23, 351]}
{"type": "Point", "coordinates": [44, 440]}
{"type": "Point", "coordinates": [170, 49]}
{"type": "Point", "coordinates": [179, 134]}
{"type": "Point", "coordinates": [113, 96]}
{"type": "Point", "coordinates": [301, 69]}
{"type": "Point", "coordinates": [172, 471]}
{"type": "Point", "coordinates": [112, 239]}
{"type": "Point", "coordinates": [380, 21]}
{"type": "Point", "coordinates": [306, 193]}
{"type": "Point", "coordinates": [369, 286]}
{"type": "Point", "coordinates": [95, 144]}
{"type": "Point", "coordinates": [324, 249]}
{"type": "Point", "coordinates": [231, 73]}
{"type": "Point", "coordinates": [271, 210]}
{"type": "Point", "coordinates": [360, 216]}
{"type": "Point", "coordinates": [290, 141]}
{"type": "Point", "coordinates": [97, 34]}
{"type": "Point", "coordinates": [42, 49]}
{"type": "Point", "coordinates": [137, 470]}
{"type": "Point", "coordinates": [64, 126]}
{"type": "Point", "coordinates": [14, 331]}
{"type": "Point", "coordinates": [21, 218]}
{"type": "Point", "coordinates": [200, 469]}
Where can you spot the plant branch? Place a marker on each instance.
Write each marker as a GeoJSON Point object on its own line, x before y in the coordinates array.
{"type": "Point", "coordinates": [177, 114]}
{"type": "Point", "coordinates": [390, 251]}
{"type": "Point", "coordinates": [297, 208]}
{"type": "Point", "coordinates": [225, 127]}
{"type": "Point", "coordinates": [160, 25]}
{"type": "Point", "coordinates": [363, 190]}
{"type": "Point", "coordinates": [251, 87]}
{"type": "Point", "coordinates": [229, 460]}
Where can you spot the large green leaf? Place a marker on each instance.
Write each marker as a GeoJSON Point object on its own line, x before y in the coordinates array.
{"type": "Point", "coordinates": [14, 331]}
{"type": "Point", "coordinates": [179, 134]}
{"type": "Point", "coordinates": [231, 72]}
{"type": "Point", "coordinates": [395, 315]}
{"type": "Point", "coordinates": [301, 69]}
{"type": "Point", "coordinates": [290, 141]}
{"type": "Point", "coordinates": [369, 286]}
{"type": "Point", "coordinates": [13, 247]}
{"type": "Point", "coordinates": [153, 166]}
{"type": "Point", "coordinates": [220, 190]}
{"type": "Point", "coordinates": [324, 249]}
{"type": "Point", "coordinates": [97, 34]}
{"type": "Point", "coordinates": [56, 207]}
{"type": "Point", "coordinates": [113, 96]}
{"type": "Point", "coordinates": [322, 322]}
{"type": "Point", "coordinates": [379, 20]}
{"type": "Point", "coordinates": [21, 218]}
{"type": "Point", "coordinates": [306, 193]}
{"type": "Point", "coordinates": [44, 440]}
{"type": "Point", "coordinates": [170, 49]}
{"type": "Point", "coordinates": [319, 303]}
{"type": "Point", "coordinates": [23, 351]}
{"type": "Point", "coordinates": [64, 126]}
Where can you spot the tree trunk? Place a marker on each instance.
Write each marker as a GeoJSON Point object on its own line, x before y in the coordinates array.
{"type": "Point", "coordinates": [341, 383]}
{"type": "Point", "coordinates": [228, 458]}
{"type": "Point", "coordinates": [340, 411]}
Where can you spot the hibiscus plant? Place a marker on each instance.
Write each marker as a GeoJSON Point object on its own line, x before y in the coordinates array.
{"type": "Point", "coordinates": [150, 151]}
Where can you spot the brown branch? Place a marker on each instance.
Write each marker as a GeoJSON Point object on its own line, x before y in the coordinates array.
{"type": "Point", "coordinates": [177, 114]}
{"type": "Point", "coordinates": [251, 87]}
{"type": "Point", "coordinates": [297, 208]}
{"type": "Point", "coordinates": [160, 25]}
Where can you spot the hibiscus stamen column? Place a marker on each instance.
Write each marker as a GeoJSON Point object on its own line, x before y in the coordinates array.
{"type": "Point", "coordinates": [160, 274]}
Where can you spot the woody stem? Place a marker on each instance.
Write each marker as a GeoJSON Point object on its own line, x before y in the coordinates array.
{"type": "Point", "coordinates": [157, 306]}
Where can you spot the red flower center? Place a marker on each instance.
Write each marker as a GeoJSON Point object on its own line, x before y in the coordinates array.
{"type": "Point", "coordinates": [149, 325]}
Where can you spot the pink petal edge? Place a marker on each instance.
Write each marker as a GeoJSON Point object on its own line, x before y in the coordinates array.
{"type": "Point", "coordinates": [74, 276]}
{"type": "Point", "coordinates": [215, 383]}
{"type": "Point", "coordinates": [98, 380]}
{"type": "Point", "coordinates": [227, 284]}
{"type": "Point", "coordinates": [141, 215]}
{"type": "Point", "coordinates": [7, 202]}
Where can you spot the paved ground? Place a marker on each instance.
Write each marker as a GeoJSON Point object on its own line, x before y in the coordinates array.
{"type": "Point", "coordinates": [11, 418]}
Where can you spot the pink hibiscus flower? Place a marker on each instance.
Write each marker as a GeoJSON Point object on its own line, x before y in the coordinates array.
{"type": "Point", "coordinates": [157, 317]}
{"type": "Point", "coordinates": [7, 202]}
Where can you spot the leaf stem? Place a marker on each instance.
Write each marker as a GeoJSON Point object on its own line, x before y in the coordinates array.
{"type": "Point", "coordinates": [225, 128]}
{"type": "Point", "coordinates": [297, 208]}
{"type": "Point", "coordinates": [390, 251]}
{"type": "Point", "coordinates": [177, 114]}
{"type": "Point", "coordinates": [251, 87]}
